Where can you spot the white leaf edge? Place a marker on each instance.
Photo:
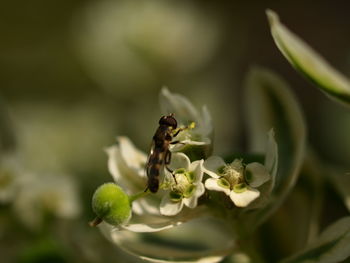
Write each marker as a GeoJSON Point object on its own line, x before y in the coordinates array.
{"type": "Point", "coordinates": [308, 61]}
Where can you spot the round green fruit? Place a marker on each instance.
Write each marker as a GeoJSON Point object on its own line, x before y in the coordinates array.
{"type": "Point", "coordinates": [112, 204]}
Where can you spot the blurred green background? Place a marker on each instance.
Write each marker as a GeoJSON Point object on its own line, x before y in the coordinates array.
{"type": "Point", "coordinates": [75, 74]}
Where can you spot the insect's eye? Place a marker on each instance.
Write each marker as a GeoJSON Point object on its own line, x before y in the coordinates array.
{"type": "Point", "coordinates": [168, 121]}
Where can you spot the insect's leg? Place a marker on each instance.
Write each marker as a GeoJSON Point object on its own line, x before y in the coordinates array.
{"type": "Point", "coordinates": [167, 157]}
{"type": "Point", "coordinates": [172, 173]}
{"type": "Point", "coordinates": [190, 126]}
{"type": "Point", "coordinates": [176, 142]}
{"type": "Point", "coordinates": [167, 160]}
{"type": "Point", "coordinates": [178, 131]}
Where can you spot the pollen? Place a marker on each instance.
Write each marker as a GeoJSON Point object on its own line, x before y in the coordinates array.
{"type": "Point", "coordinates": [192, 125]}
{"type": "Point", "coordinates": [233, 173]}
{"type": "Point", "coordinates": [183, 183]}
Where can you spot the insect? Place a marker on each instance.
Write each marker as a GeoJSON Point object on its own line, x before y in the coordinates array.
{"type": "Point", "coordinates": [160, 154]}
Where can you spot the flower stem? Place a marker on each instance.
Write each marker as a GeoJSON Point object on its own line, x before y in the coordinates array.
{"type": "Point", "coordinates": [95, 222]}
{"type": "Point", "coordinates": [138, 195]}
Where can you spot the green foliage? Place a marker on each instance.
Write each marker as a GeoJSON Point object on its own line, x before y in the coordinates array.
{"type": "Point", "coordinates": [270, 103]}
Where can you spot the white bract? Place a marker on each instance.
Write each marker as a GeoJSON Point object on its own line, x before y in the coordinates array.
{"type": "Point", "coordinates": [237, 181]}
{"type": "Point", "coordinates": [185, 114]}
{"type": "Point", "coordinates": [127, 164]}
{"type": "Point", "coordinates": [187, 188]}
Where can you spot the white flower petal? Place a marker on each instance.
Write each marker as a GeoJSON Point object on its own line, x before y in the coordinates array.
{"type": "Point", "coordinates": [170, 208]}
{"type": "Point", "coordinates": [179, 105]}
{"type": "Point", "coordinates": [148, 205]}
{"type": "Point", "coordinates": [133, 157]}
{"type": "Point", "coordinates": [197, 168]}
{"type": "Point", "coordinates": [183, 143]}
{"type": "Point", "coordinates": [132, 178]}
{"type": "Point", "coordinates": [258, 174]}
{"type": "Point", "coordinates": [193, 200]}
{"type": "Point", "coordinates": [200, 189]}
{"type": "Point", "coordinates": [179, 160]}
{"type": "Point", "coordinates": [191, 142]}
{"type": "Point", "coordinates": [113, 155]}
{"type": "Point", "coordinates": [205, 126]}
{"type": "Point", "coordinates": [243, 199]}
{"type": "Point", "coordinates": [212, 165]}
{"type": "Point", "coordinates": [212, 184]}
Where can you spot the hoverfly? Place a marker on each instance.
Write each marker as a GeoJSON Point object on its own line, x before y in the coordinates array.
{"type": "Point", "coordinates": [160, 154]}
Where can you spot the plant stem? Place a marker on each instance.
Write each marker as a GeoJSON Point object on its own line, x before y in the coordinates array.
{"type": "Point", "coordinates": [138, 195]}
{"type": "Point", "coordinates": [95, 222]}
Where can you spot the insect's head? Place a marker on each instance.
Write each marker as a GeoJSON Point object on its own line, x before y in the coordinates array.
{"type": "Point", "coordinates": [168, 120]}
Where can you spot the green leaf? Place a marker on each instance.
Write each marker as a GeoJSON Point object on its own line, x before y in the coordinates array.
{"type": "Point", "coordinates": [304, 59]}
{"type": "Point", "coordinates": [332, 245]}
{"type": "Point", "coordinates": [341, 181]}
{"type": "Point", "coordinates": [271, 104]}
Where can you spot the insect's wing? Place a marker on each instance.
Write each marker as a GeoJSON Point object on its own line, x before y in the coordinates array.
{"type": "Point", "coordinates": [149, 159]}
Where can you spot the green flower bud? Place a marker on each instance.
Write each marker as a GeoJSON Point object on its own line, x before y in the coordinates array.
{"type": "Point", "coordinates": [111, 204]}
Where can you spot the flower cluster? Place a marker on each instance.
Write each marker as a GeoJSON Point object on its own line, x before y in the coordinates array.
{"type": "Point", "coordinates": [191, 175]}
{"type": "Point", "coordinates": [188, 185]}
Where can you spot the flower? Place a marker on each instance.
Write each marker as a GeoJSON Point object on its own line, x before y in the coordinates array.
{"type": "Point", "coordinates": [186, 186]}
{"type": "Point", "coordinates": [185, 114]}
{"type": "Point", "coordinates": [126, 164]}
{"type": "Point", "coordinates": [240, 181]}
{"type": "Point", "coordinates": [237, 181]}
